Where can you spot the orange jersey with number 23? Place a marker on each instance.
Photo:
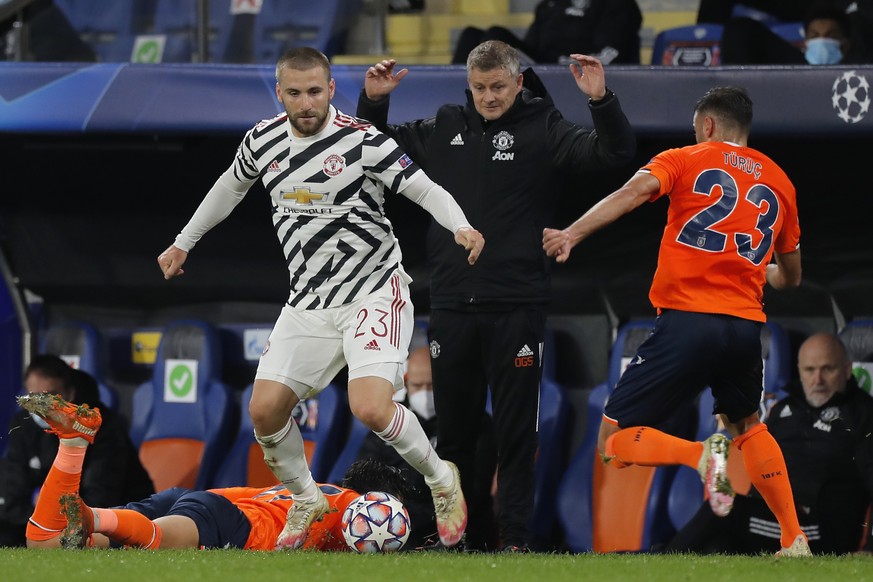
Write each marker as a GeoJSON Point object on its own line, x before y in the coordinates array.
{"type": "Point", "coordinates": [730, 208]}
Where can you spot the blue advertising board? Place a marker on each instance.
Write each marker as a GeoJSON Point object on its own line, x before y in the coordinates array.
{"type": "Point", "coordinates": [111, 98]}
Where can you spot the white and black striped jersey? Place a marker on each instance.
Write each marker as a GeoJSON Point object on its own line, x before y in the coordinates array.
{"type": "Point", "coordinates": [327, 193]}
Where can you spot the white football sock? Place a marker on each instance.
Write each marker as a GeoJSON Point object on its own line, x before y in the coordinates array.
{"type": "Point", "coordinates": [286, 457]}
{"type": "Point", "coordinates": [405, 434]}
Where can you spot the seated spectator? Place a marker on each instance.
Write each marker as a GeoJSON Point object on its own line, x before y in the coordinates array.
{"type": "Point", "coordinates": [481, 527]}
{"type": "Point", "coordinates": [721, 11]}
{"type": "Point", "coordinates": [51, 37]}
{"type": "Point", "coordinates": [606, 29]}
{"type": "Point", "coordinates": [236, 517]}
{"type": "Point", "coordinates": [112, 473]}
{"type": "Point", "coordinates": [830, 39]}
{"type": "Point", "coordinates": [824, 428]}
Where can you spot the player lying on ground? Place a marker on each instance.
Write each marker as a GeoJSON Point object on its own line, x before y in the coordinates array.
{"type": "Point", "coordinates": [236, 517]}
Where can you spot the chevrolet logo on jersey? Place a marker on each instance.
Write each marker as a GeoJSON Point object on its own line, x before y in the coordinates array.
{"type": "Point", "coordinates": [302, 195]}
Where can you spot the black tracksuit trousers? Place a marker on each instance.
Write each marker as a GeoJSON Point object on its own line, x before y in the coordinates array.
{"type": "Point", "coordinates": [470, 353]}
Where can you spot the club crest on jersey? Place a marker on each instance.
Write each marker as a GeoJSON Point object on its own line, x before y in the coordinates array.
{"type": "Point", "coordinates": [502, 142]}
{"type": "Point", "coordinates": [334, 164]}
{"type": "Point", "coordinates": [830, 414]}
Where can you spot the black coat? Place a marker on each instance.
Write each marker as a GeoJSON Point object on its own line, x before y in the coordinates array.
{"type": "Point", "coordinates": [505, 175]}
{"type": "Point", "coordinates": [829, 455]}
{"type": "Point", "coordinates": [563, 27]}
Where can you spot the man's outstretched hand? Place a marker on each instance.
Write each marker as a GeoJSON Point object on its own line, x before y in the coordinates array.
{"type": "Point", "coordinates": [472, 240]}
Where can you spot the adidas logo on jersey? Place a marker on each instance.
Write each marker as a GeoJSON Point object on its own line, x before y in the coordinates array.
{"type": "Point", "coordinates": [525, 351]}
{"type": "Point", "coordinates": [274, 167]}
{"type": "Point", "coordinates": [457, 140]}
{"type": "Point", "coordinates": [372, 345]}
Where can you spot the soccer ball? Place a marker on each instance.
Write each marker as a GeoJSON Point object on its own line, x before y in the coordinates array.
{"type": "Point", "coordinates": [375, 522]}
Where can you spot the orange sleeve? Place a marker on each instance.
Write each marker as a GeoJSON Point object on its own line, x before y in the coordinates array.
{"type": "Point", "coordinates": [665, 166]}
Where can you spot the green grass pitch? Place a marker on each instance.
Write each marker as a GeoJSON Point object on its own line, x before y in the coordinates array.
{"type": "Point", "coordinates": [235, 565]}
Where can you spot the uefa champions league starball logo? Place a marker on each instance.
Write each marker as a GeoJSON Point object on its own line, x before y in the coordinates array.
{"type": "Point", "coordinates": [851, 97]}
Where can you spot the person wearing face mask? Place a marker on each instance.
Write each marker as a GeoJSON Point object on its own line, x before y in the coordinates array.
{"type": "Point", "coordinates": [826, 39]}
{"type": "Point", "coordinates": [824, 428]}
{"type": "Point", "coordinates": [831, 36]}
{"type": "Point", "coordinates": [112, 473]}
{"type": "Point", "coordinates": [419, 398]}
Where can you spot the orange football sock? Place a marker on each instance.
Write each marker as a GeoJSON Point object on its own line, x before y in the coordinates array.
{"type": "Point", "coordinates": [129, 528]}
{"type": "Point", "coordinates": [643, 445]}
{"type": "Point", "coordinates": [768, 473]}
{"type": "Point", "coordinates": [63, 477]}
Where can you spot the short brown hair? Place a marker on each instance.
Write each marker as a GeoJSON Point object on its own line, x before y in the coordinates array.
{"type": "Point", "coordinates": [303, 59]}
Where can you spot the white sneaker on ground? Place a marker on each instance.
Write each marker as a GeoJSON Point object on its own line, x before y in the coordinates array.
{"type": "Point", "coordinates": [301, 515]}
{"type": "Point", "coordinates": [451, 509]}
{"type": "Point", "coordinates": [799, 548]}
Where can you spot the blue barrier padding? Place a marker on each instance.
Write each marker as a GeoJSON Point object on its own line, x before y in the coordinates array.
{"type": "Point", "coordinates": [121, 97]}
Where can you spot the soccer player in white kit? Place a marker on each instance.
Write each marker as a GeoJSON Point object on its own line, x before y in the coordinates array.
{"type": "Point", "coordinates": [327, 174]}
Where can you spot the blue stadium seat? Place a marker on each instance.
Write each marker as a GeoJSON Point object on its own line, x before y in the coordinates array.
{"type": "Point", "coordinates": [177, 21]}
{"type": "Point", "coordinates": [606, 509]}
{"type": "Point", "coordinates": [244, 464]}
{"type": "Point", "coordinates": [109, 27]}
{"type": "Point", "coordinates": [550, 355]}
{"type": "Point", "coordinates": [324, 429]}
{"type": "Point", "coordinates": [696, 45]}
{"type": "Point", "coordinates": [740, 10]}
{"type": "Point", "coordinates": [627, 340]}
{"type": "Point", "coordinates": [778, 364]}
{"type": "Point", "coordinates": [349, 454]}
{"type": "Point", "coordinates": [790, 31]}
{"type": "Point", "coordinates": [685, 497]}
{"type": "Point", "coordinates": [857, 336]}
{"type": "Point", "coordinates": [81, 346]}
{"type": "Point", "coordinates": [284, 24]}
{"type": "Point", "coordinates": [322, 423]}
{"type": "Point", "coordinates": [554, 426]}
{"type": "Point", "coordinates": [185, 417]}
{"type": "Point", "coordinates": [574, 495]}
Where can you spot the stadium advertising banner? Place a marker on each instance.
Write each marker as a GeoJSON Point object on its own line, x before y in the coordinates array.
{"type": "Point", "coordinates": [123, 97]}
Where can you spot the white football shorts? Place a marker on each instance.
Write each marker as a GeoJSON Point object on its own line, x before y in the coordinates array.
{"type": "Point", "coordinates": [308, 348]}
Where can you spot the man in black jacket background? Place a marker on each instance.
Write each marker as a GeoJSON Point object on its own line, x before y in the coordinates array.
{"type": "Point", "coordinates": [502, 156]}
{"type": "Point", "coordinates": [608, 29]}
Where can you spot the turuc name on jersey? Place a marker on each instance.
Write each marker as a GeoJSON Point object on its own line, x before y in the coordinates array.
{"type": "Point", "coordinates": [743, 163]}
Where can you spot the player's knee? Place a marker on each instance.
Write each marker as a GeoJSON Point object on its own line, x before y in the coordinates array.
{"type": "Point", "coordinates": [374, 413]}
{"type": "Point", "coordinates": [271, 409]}
{"type": "Point", "coordinates": [266, 420]}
